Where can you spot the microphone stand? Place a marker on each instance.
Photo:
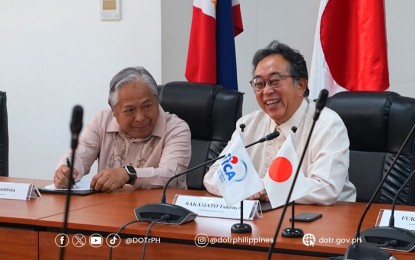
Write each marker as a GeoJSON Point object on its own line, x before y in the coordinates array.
{"type": "Point", "coordinates": [362, 249]}
{"type": "Point", "coordinates": [178, 214]}
{"type": "Point", "coordinates": [76, 126]}
{"type": "Point", "coordinates": [241, 227]}
{"type": "Point", "coordinates": [392, 217]}
{"type": "Point", "coordinates": [391, 237]}
{"type": "Point", "coordinates": [321, 102]}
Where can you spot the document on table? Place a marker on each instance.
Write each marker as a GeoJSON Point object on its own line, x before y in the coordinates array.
{"type": "Point", "coordinates": [81, 187]}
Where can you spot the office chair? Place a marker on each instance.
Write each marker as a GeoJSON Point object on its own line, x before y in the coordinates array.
{"type": "Point", "coordinates": [4, 136]}
{"type": "Point", "coordinates": [377, 124]}
{"type": "Point", "coordinates": [211, 112]}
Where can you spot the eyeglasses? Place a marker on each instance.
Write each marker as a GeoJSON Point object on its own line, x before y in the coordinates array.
{"type": "Point", "coordinates": [274, 81]}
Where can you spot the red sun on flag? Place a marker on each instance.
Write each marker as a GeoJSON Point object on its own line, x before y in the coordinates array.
{"type": "Point", "coordinates": [234, 160]}
{"type": "Point", "coordinates": [280, 169]}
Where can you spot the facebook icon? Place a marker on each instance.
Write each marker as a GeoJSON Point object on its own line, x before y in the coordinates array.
{"type": "Point", "coordinates": [61, 240]}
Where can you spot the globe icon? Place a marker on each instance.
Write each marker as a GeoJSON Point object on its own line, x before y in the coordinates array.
{"type": "Point", "coordinates": [309, 239]}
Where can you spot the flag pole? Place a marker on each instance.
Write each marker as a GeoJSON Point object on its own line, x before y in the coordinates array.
{"type": "Point", "coordinates": [241, 227]}
{"type": "Point", "coordinates": [293, 232]}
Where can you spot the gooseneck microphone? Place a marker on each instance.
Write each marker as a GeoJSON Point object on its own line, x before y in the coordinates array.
{"type": "Point", "coordinates": [76, 127]}
{"type": "Point", "coordinates": [391, 237]}
{"type": "Point", "coordinates": [321, 102]}
{"type": "Point", "coordinates": [177, 214]}
{"type": "Point", "coordinates": [375, 237]}
{"type": "Point", "coordinates": [392, 217]}
{"type": "Point", "coordinates": [268, 137]}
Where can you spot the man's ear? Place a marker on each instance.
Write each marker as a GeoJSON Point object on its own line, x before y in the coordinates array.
{"type": "Point", "coordinates": [302, 84]}
{"type": "Point", "coordinates": [112, 109]}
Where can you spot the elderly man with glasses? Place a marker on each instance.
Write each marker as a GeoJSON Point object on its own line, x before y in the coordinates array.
{"type": "Point", "coordinates": [134, 141]}
{"type": "Point", "coordinates": [280, 86]}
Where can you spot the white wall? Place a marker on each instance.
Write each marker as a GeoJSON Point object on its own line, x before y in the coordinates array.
{"type": "Point", "coordinates": [55, 54]}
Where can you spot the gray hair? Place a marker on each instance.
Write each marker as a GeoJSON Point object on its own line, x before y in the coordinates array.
{"type": "Point", "coordinates": [297, 65]}
{"type": "Point", "coordinates": [129, 75]}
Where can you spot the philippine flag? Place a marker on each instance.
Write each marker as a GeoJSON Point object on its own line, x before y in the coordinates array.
{"type": "Point", "coordinates": [211, 56]}
{"type": "Point", "coordinates": [350, 47]}
{"type": "Point", "coordinates": [281, 173]}
{"type": "Point", "coordinates": [236, 177]}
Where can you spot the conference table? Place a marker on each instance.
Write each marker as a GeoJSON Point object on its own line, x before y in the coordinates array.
{"type": "Point", "coordinates": [31, 229]}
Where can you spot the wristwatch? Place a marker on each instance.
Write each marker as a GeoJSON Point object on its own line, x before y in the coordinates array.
{"type": "Point", "coordinates": [132, 174]}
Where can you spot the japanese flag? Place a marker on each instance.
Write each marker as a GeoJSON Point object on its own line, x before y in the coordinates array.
{"type": "Point", "coordinates": [281, 173]}
{"type": "Point", "coordinates": [236, 177]}
{"type": "Point", "coordinates": [350, 48]}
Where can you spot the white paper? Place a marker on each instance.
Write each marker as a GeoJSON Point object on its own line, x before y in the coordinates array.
{"type": "Point", "coordinates": [403, 219]}
{"type": "Point", "coordinates": [80, 185]}
{"type": "Point", "coordinates": [217, 207]}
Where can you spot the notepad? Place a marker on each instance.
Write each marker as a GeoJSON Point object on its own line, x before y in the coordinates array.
{"type": "Point", "coordinates": [81, 188]}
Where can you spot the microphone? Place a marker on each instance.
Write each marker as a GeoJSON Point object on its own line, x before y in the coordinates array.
{"type": "Point", "coordinates": [268, 137]}
{"type": "Point", "coordinates": [392, 217]}
{"type": "Point", "coordinates": [320, 104]}
{"type": "Point", "coordinates": [372, 236]}
{"type": "Point", "coordinates": [177, 214]}
{"type": "Point", "coordinates": [391, 237]}
{"type": "Point", "coordinates": [76, 125]}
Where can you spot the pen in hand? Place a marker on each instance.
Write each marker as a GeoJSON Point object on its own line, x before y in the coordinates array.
{"type": "Point", "coordinates": [68, 163]}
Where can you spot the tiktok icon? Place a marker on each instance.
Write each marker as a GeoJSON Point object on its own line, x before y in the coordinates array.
{"type": "Point", "coordinates": [113, 240]}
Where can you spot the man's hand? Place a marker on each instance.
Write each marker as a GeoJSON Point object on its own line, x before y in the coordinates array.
{"type": "Point", "coordinates": [262, 196]}
{"type": "Point", "coordinates": [109, 179]}
{"type": "Point", "coordinates": [61, 176]}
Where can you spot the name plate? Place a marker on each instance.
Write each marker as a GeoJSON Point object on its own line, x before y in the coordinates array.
{"type": "Point", "coordinates": [18, 191]}
{"type": "Point", "coordinates": [403, 219]}
{"type": "Point", "coordinates": [217, 207]}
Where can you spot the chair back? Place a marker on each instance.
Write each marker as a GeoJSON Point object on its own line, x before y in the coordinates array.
{"type": "Point", "coordinates": [211, 112]}
{"type": "Point", "coordinates": [4, 136]}
{"type": "Point", "coordinates": [377, 124]}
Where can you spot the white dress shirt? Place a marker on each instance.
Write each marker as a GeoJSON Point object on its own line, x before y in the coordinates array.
{"type": "Point", "coordinates": [326, 160]}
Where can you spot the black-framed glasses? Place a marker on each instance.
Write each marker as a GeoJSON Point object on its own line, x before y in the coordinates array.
{"type": "Point", "coordinates": [274, 81]}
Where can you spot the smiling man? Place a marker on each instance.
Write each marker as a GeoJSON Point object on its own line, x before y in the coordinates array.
{"type": "Point", "coordinates": [135, 142]}
{"type": "Point", "coordinates": [279, 82]}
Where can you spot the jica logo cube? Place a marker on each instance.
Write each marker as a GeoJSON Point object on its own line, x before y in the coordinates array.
{"type": "Point", "coordinates": [232, 169]}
